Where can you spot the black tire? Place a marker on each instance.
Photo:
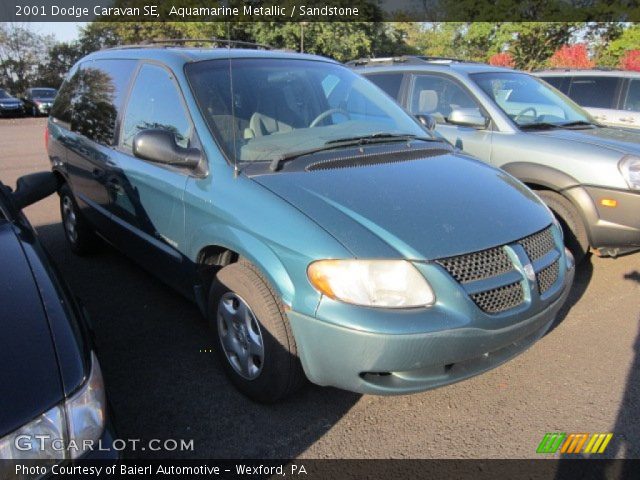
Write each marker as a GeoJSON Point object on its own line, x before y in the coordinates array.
{"type": "Point", "coordinates": [280, 372]}
{"type": "Point", "coordinates": [81, 239]}
{"type": "Point", "coordinates": [575, 233]}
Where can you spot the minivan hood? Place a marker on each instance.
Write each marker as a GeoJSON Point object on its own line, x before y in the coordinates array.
{"type": "Point", "coordinates": [421, 209]}
{"type": "Point", "coordinates": [623, 141]}
{"type": "Point", "coordinates": [29, 369]}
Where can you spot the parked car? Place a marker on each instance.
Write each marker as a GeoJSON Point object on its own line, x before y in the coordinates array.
{"type": "Point", "coordinates": [10, 105]}
{"type": "Point", "coordinates": [587, 174]}
{"type": "Point", "coordinates": [53, 392]}
{"type": "Point", "coordinates": [38, 100]}
{"type": "Point", "coordinates": [612, 97]}
{"type": "Point", "coordinates": [314, 222]}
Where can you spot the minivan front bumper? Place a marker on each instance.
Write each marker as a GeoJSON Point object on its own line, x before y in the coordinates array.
{"type": "Point", "coordinates": [450, 349]}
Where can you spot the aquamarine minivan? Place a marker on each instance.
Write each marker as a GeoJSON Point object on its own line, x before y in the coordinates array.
{"type": "Point", "coordinates": [322, 231]}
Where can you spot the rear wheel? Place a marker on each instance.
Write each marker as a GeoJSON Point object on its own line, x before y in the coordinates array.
{"type": "Point", "coordinates": [80, 236]}
{"type": "Point", "coordinates": [575, 233]}
{"type": "Point", "coordinates": [255, 344]}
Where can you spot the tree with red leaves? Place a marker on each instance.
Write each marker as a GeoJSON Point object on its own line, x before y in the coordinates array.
{"type": "Point", "coordinates": [502, 60]}
{"type": "Point", "coordinates": [571, 56]}
{"type": "Point", "coordinates": [630, 60]}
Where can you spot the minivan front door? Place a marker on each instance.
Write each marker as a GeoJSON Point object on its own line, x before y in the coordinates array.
{"type": "Point", "coordinates": [147, 207]}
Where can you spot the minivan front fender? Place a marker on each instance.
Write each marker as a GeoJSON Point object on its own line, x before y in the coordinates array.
{"type": "Point", "coordinates": [295, 292]}
{"type": "Point", "coordinates": [535, 175]}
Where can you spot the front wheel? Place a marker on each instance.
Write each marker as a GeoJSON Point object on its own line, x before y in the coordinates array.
{"type": "Point", "coordinates": [254, 340]}
{"type": "Point", "coordinates": [80, 236]}
{"type": "Point", "coordinates": [575, 233]}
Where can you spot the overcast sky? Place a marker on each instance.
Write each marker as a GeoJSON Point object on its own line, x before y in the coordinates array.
{"type": "Point", "coordinates": [64, 31]}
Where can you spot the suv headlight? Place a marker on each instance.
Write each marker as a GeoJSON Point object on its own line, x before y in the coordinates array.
{"type": "Point", "coordinates": [372, 283]}
{"type": "Point", "coordinates": [60, 432]}
{"type": "Point", "coordinates": [630, 169]}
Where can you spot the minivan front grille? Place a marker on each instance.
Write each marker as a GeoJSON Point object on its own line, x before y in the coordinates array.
{"type": "Point", "coordinates": [478, 265]}
{"type": "Point", "coordinates": [548, 276]}
{"type": "Point", "coordinates": [485, 264]}
{"type": "Point", "coordinates": [538, 244]}
{"type": "Point", "coordinates": [499, 299]}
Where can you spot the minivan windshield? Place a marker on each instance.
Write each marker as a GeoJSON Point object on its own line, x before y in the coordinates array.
{"type": "Point", "coordinates": [4, 94]}
{"type": "Point", "coordinates": [529, 101]}
{"type": "Point", "coordinates": [282, 106]}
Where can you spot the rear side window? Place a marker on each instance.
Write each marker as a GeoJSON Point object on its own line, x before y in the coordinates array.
{"type": "Point", "coordinates": [98, 98]}
{"type": "Point", "coordinates": [556, 82]}
{"type": "Point", "coordinates": [155, 102]}
{"type": "Point", "coordinates": [632, 102]}
{"type": "Point", "coordinates": [596, 92]}
{"type": "Point", "coordinates": [389, 82]}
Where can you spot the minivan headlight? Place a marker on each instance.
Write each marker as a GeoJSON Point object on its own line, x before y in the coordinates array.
{"type": "Point", "coordinates": [630, 169]}
{"type": "Point", "coordinates": [372, 283]}
{"type": "Point", "coordinates": [62, 431]}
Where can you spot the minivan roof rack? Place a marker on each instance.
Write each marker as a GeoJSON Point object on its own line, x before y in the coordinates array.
{"type": "Point", "coordinates": [404, 59]}
{"type": "Point", "coordinates": [181, 42]}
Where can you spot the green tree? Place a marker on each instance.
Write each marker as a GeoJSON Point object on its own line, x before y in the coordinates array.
{"type": "Point", "coordinates": [628, 39]}
{"type": "Point", "coordinates": [21, 51]}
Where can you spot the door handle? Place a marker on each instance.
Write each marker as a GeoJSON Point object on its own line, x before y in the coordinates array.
{"type": "Point", "coordinates": [111, 164]}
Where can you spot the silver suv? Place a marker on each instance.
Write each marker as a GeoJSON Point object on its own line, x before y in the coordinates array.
{"type": "Point", "coordinates": [588, 175]}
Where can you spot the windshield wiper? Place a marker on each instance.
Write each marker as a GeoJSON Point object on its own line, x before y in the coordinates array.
{"type": "Point", "coordinates": [381, 138]}
{"type": "Point", "coordinates": [539, 126]}
{"type": "Point", "coordinates": [577, 123]}
{"type": "Point", "coordinates": [348, 142]}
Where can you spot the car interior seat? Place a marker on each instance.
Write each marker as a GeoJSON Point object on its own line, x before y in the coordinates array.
{"type": "Point", "coordinates": [272, 115]}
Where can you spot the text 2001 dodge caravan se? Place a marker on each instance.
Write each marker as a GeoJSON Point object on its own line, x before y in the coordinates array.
{"type": "Point", "coordinates": [322, 231]}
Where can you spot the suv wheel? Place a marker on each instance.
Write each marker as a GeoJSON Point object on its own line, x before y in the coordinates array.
{"type": "Point", "coordinates": [575, 234]}
{"type": "Point", "coordinates": [255, 344]}
{"type": "Point", "coordinates": [81, 238]}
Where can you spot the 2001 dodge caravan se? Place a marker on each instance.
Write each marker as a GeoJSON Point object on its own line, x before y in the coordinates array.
{"type": "Point", "coordinates": [316, 224]}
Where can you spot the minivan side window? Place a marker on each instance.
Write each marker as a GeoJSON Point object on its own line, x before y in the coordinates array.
{"type": "Point", "coordinates": [155, 103]}
{"type": "Point", "coordinates": [98, 97]}
{"type": "Point", "coordinates": [595, 92]}
{"type": "Point", "coordinates": [61, 109]}
{"type": "Point", "coordinates": [438, 96]}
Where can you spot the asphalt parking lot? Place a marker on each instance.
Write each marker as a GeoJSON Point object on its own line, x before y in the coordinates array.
{"type": "Point", "coordinates": [583, 376]}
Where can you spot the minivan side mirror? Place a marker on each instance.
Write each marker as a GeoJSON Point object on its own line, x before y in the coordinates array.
{"type": "Point", "coordinates": [33, 188]}
{"type": "Point", "coordinates": [468, 117]}
{"type": "Point", "coordinates": [427, 121]}
{"type": "Point", "coordinates": [159, 146]}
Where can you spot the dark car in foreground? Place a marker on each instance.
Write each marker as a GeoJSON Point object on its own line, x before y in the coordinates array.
{"type": "Point", "coordinates": [10, 106]}
{"type": "Point", "coordinates": [52, 399]}
{"type": "Point", "coordinates": [38, 100]}
{"type": "Point", "coordinates": [321, 230]}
